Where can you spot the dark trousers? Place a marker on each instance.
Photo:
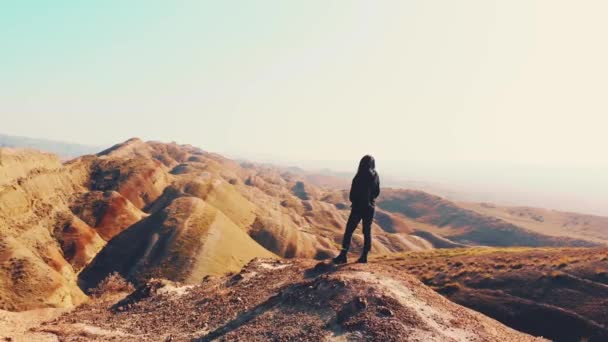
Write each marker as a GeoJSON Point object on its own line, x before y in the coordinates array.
{"type": "Point", "coordinates": [357, 215]}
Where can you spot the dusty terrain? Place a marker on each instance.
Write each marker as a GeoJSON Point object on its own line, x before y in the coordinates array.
{"type": "Point", "coordinates": [559, 293]}
{"type": "Point", "coordinates": [283, 301]}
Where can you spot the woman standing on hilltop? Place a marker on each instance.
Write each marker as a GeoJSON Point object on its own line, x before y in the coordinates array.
{"type": "Point", "coordinates": [363, 193]}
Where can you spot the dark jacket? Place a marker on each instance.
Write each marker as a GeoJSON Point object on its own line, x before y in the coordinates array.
{"type": "Point", "coordinates": [366, 184]}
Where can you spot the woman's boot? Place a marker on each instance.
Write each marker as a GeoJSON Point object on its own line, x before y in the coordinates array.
{"type": "Point", "coordinates": [341, 258]}
{"type": "Point", "coordinates": [363, 258]}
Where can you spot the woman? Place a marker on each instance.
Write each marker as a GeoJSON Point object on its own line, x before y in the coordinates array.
{"type": "Point", "coordinates": [363, 193]}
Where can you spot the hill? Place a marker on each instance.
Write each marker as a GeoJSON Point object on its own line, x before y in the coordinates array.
{"type": "Point", "coordinates": [559, 293]}
{"type": "Point", "coordinates": [185, 241]}
{"type": "Point", "coordinates": [41, 241]}
{"type": "Point", "coordinates": [433, 214]}
{"type": "Point", "coordinates": [283, 300]}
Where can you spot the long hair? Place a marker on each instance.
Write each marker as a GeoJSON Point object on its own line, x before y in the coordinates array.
{"type": "Point", "coordinates": [367, 166]}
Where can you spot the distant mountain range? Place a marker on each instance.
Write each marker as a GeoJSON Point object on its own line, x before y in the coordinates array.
{"type": "Point", "coordinates": [63, 149]}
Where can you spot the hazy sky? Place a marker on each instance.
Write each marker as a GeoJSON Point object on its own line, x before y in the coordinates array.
{"type": "Point", "coordinates": [517, 82]}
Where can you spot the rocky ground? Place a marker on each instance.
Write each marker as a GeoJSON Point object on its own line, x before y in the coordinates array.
{"type": "Point", "coordinates": [283, 301]}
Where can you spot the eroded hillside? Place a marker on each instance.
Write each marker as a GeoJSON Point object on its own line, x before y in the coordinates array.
{"type": "Point", "coordinates": [284, 301]}
{"type": "Point", "coordinates": [41, 241]}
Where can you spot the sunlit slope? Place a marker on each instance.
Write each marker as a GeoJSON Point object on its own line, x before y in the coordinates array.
{"type": "Point", "coordinates": [41, 241]}
{"type": "Point", "coordinates": [184, 242]}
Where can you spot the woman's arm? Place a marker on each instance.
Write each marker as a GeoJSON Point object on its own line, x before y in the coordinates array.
{"type": "Point", "coordinates": [352, 186]}
{"type": "Point", "coordinates": [377, 187]}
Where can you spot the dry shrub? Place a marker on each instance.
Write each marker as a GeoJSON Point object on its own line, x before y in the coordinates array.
{"type": "Point", "coordinates": [461, 273]}
{"type": "Point", "coordinates": [458, 264]}
{"type": "Point", "coordinates": [428, 278]}
{"type": "Point", "coordinates": [556, 274]}
{"type": "Point", "coordinates": [450, 288]}
{"type": "Point", "coordinates": [112, 284]}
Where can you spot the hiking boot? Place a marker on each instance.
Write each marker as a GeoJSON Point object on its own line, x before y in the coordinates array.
{"type": "Point", "coordinates": [362, 259]}
{"type": "Point", "coordinates": [341, 258]}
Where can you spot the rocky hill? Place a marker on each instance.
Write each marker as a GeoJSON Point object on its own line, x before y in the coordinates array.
{"type": "Point", "coordinates": [283, 301]}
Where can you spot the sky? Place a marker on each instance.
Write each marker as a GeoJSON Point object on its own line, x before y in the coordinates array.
{"type": "Point", "coordinates": [468, 84]}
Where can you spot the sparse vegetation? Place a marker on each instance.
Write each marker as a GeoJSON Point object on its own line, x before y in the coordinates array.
{"type": "Point", "coordinates": [497, 280]}
{"type": "Point", "coordinates": [449, 288]}
{"type": "Point", "coordinates": [564, 262]}
{"type": "Point", "coordinates": [556, 274]}
{"type": "Point", "coordinates": [112, 284]}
